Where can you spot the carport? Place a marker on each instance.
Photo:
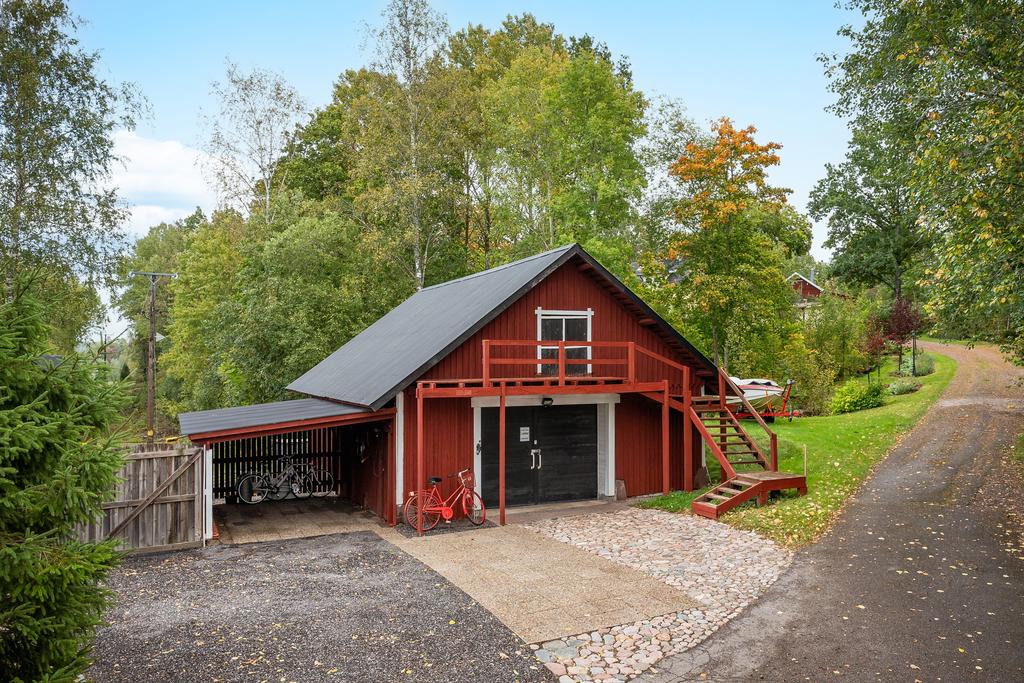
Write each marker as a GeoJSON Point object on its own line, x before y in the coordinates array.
{"type": "Point", "coordinates": [356, 445]}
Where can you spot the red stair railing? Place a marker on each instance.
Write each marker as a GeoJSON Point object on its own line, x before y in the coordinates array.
{"type": "Point", "coordinates": [725, 381]}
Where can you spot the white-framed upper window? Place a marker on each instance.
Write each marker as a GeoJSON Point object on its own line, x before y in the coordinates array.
{"type": "Point", "coordinates": [567, 326]}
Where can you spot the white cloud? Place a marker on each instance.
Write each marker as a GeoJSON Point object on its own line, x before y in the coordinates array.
{"type": "Point", "coordinates": [160, 179]}
{"type": "Point", "coordinates": [145, 216]}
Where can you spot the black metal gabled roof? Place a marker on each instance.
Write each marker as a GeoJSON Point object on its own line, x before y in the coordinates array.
{"type": "Point", "coordinates": [203, 421]}
{"type": "Point", "coordinates": [382, 359]}
{"type": "Point", "coordinates": [410, 339]}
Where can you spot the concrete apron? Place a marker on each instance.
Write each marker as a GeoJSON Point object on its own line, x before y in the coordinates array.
{"type": "Point", "coordinates": [281, 520]}
{"type": "Point", "coordinates": [541, 588]}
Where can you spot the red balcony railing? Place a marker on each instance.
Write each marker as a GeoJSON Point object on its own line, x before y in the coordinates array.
{"type": "Point", "coordinates": [506, 360]}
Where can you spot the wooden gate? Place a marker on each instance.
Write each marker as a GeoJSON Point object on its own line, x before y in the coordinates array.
{"type": "Point", "coordinates": [159, 504]}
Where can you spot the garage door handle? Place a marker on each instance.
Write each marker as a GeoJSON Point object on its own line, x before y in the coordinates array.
{"type": "Point", "coordinates": [540, 459]}
{"type": "Point", "coordinates": [534, 452]}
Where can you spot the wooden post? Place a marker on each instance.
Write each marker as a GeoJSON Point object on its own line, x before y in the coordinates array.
{"type": "Point", "coordinates": [561, 363]}
{"type": "Point", "coordinates": [419, 462]}
{"type": "Point", "coordinates": [391, 499]}
{"type": "Point", "coordinates": [631, 363]}
{"type": "Point", "coordinates": [723, 441]}
{"type": "Point", "coordinates": [151, 365]}
{"type": "Point", "coordinates": [775, 452]}
{"type": "Point", "coordinates": [687, 432]}
{"type": "Point", "coordinates": [501, 457]}
{"type": "Point", "coordinates": [665, 481]}
{"type": "Point", "coordinates": [487, 363]}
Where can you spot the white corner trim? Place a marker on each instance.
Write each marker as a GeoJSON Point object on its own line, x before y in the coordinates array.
{"type": "Point", "coordinates": [610, 483]}
{"type": "Point", "coordinates": [399, 447]}
{"type": "Point", "coordinates": [208, 493]}
{"type": "Point", "coordinates": [477, 450]}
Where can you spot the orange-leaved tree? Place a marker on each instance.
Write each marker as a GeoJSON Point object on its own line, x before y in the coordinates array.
{"type": "Point", "coordinates": [733, 230]}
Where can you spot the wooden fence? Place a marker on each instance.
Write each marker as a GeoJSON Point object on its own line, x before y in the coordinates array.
{"type": "Point", "coordinates": [160, 502]}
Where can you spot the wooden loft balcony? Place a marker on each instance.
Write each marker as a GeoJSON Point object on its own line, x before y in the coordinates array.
{"type": "Point", "coordinates": [518, 367]}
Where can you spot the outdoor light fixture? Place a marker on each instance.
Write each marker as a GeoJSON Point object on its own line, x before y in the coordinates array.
{"type": "Point", "coordinates": [547, 401]}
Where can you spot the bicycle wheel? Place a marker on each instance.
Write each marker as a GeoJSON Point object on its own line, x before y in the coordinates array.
{"type": "Point", "coordinates": [301, 486]}
{"type": "Point", "coordinates": [473, 507]}
{"type": "Point", "coordinates": [279, 486]}
{"type": "Point", "coordinates": [321, 483]}
{"type": "Point", "coordinates": [431, 515]}
{"type": "Point", "coordinates": [252, 489]}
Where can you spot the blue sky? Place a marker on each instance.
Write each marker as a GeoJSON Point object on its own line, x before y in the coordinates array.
{"type": "Point", "coordinates": [755, 62]}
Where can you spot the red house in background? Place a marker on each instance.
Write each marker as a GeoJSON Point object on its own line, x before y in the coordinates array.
{"type": "Point", "coordinates": [547, 377]}
{"type": "Point", "coordinates": [804, 287]}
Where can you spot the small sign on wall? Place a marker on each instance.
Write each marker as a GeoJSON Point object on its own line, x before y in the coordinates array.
{"type": "Point", "coordinates": [524, 433]}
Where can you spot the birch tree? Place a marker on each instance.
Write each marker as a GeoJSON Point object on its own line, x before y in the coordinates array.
{"type": "Point", "coordinates": [407, 45]}
{"type": "Point", "coordinates": [58, 211]}
{"type": "Point", "coordinates": [254, 127]}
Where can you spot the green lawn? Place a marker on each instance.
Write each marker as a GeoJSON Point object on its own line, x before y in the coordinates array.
{"type": "Point", "coordinates": [841, 451]}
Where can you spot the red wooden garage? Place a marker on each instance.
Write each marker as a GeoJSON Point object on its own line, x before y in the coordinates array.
{"type": "Point", "coordinates": [547, 377]}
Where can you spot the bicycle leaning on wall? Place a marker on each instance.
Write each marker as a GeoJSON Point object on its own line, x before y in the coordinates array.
{"type": "Point", "coordinates": [289, 478]}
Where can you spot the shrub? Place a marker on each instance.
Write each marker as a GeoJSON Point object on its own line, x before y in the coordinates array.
{"type": "Point", "coordinates": [813, 372]}
{"type": "Point", "coordinates": [925, 365]}
{"type": "Point", "coordinates": [903, 386]}
{"type": "Point", "coordinates": [856, 396]}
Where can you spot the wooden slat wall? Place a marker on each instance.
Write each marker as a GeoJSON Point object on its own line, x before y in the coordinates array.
{"type": "Point", "coordinates": [638, 446]}
{"type": "Point", "coordinates": [365, 468]}
{"type": "Point", "coordinates": [336, 449]}
{"type": "Point", "coordinates": [234, 459]}
{"type": "Point", "coordinates": [565, 289]}
{"type": "Point", "coordinates": [174, 520]}
{"type": "Point", "coordinates": [448, 439]}
{"type": "Point", "coordinates": [449, 430]}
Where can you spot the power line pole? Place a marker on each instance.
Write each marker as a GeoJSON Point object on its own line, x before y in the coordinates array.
{"type": "Point", "coordinates": [151, 353]}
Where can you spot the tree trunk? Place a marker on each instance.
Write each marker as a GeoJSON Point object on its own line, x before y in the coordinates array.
{"type": "Point", "coordinates": [714, 345]}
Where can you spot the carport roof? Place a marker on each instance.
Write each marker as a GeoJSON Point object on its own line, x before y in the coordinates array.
{"type": "Point", "coordinates": [262, 415]}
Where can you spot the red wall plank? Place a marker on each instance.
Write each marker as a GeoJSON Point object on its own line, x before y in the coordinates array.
{"type": "Point", "coordinates": [449, 422]}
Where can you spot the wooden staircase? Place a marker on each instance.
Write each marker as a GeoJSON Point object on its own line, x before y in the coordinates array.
{"type": "Point", "coordinates": [744, 487]}
{"type": "Point", "coordinates": [738, 450]}
{"type": "Point", "coordinates": [747, 473]}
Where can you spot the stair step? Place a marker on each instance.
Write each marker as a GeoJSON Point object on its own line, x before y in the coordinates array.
{"type": "Point", "coordinates": [746, 462]}
{"type": "Point", "coordinates": [716, 496]}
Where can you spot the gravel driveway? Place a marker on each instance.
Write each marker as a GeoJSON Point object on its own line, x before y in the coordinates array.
{"type": "Point", "coordinates": [347, 607]}
{"type": "Point", "coordinates": [921, 579]}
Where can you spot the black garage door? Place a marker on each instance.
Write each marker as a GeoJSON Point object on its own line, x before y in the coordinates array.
{"type": "Point", "coordinates": [550, 454]}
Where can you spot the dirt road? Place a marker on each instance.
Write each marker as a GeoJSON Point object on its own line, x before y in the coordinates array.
{"type": "Point", "coordinates": [921, 579]}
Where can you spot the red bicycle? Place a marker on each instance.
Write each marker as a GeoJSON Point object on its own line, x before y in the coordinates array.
{"type": "Point", "coordinates": [435, 508]}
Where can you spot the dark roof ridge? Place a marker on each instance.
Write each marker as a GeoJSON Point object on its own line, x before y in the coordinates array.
{"type": "Point", "coordinates": [489, 271]}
